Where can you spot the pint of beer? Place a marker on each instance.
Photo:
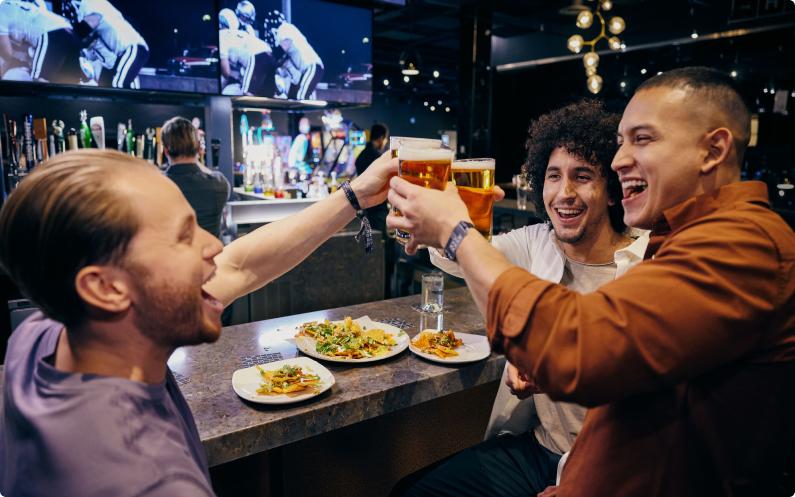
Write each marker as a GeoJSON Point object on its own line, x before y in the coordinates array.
{"type": "Point", "coordinates": [426, 167]}
{"type": "Point", "coordinates": [474, 179]}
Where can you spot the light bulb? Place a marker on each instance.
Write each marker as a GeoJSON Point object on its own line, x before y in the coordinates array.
{"type": "Point", "coordinates": [614, 42]}
{"type": "Point", "coordinates": [575, 43]}
{"type": "Point", "coordinates": [591, 59]}
{"type": "Point", "coordinates": [406, 79]}
{"type": "Point", "coordinates": [590, 71]}
{"type": "Point", "coordinates": [386, 82]}
{"type": "Point", "coordinates": [435, 74]}
{"type": "Point", "coordinates": [616, 25]}
{"type": "Point", "coordinates": [694, 34]}
{"type": "Point", "coordinates": [734, 74]}
{"type": "Point", "coordinates": [595, 84]}
{"type": "Point", "coordinates": [584, 19]}
{"type": "Point", "coordinates": [607, 5]}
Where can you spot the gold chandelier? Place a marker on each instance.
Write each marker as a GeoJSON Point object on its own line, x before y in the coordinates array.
{"type": "Point", "coordinates": [576, 43]}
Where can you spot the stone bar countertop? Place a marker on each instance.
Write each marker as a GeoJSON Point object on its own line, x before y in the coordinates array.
{"type": "Point", "coordinates": [232, 428]}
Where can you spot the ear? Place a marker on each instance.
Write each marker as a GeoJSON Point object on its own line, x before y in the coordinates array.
{"type": "Point", "coordinates": [719, 143]}
{"type": "Point", "coordinates": [104, 287]}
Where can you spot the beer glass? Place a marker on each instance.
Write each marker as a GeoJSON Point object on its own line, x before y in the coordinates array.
{"type": "Point", "coordinates": [474, 179]}
{"type": "Point", "coordinates": [426, 167]}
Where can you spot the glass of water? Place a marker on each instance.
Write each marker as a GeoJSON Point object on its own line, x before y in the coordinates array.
{"type": "Point", "coordinates": [432, 298]}
{"type": "Point", "coordinates": [522, 192]}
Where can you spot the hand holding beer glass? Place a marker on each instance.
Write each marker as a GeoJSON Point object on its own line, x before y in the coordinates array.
{"type": "Point", "coordinates": [474, 179]}
{"type": "Point", "coordinates": [425, 167]}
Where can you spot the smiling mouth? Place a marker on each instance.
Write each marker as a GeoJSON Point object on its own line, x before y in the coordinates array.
{"type": "Point", "coordinates": [633, 187]}
{"type": "Point", "coordinates": [568, 213]}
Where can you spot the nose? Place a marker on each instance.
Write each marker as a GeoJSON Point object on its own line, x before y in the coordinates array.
{"type": "Point", "coordinates": [568, 189]}
{"type": "Point", "coordinates": [212, 246]}
{"type": "Point", "coordinates": [622, 160]}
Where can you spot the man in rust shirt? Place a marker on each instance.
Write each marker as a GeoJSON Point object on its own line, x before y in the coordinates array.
{"type": "Point", "coordinates": [687, 361]}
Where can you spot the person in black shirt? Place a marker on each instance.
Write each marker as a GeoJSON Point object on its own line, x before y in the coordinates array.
{"type": "Point", "coordinates": [206, 191]}
{"type": "Point", "coordinates": [379, 137]}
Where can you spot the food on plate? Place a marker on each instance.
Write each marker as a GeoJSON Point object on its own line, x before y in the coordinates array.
{"type": "Point", "coordinates": [287, 379]}
{"type": "Point", "coordinates": [441, 343]}
{"type": "Point", "coordinates": [347, 339]}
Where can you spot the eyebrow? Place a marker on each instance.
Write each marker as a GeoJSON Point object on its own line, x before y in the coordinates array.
{"type": "Point", "coordinates": [187, 223]}
{"type": "Point", "coordinates": [634, 129]}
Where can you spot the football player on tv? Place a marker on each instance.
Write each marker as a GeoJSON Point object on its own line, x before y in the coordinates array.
{"type": "Point", "coordinates": [301, 62]}
{"type": "Point", "coordinates": [29, 25]}
{"type": "Point", "coordinates": [247, 16]}
{"type": "Point", "coordinates": [247, 66]}
{"type": "Point", "coordinates": [115, 49]}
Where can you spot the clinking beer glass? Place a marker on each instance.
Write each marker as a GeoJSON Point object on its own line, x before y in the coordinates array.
{"type": "Point", "coordinates": [474, 179]}
{"type": "Point", "coordinates": [426, 167]}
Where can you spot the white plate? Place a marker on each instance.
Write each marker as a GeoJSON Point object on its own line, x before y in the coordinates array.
{"type": "Point", "coordinates": [475, 348]}
{"type": "Point", "coordinates": [307, 344]}
{"type": "Point", "coordinates": [245, 382]}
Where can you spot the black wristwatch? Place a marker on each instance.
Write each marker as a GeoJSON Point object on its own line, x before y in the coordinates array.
{"type": "Point", "coordinates": [456, 237]}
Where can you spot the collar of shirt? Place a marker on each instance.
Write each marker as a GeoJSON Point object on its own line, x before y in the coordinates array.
{"type": "Point", "coordinates": [699, 206]}
{"type": "Point", "coordinates": [549, 261]}
{"type": "Point", "coordinates": [183, 168]}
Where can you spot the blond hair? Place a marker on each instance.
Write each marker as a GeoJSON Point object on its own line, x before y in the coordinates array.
{"type": "Point", "coordinates": [68, 214]}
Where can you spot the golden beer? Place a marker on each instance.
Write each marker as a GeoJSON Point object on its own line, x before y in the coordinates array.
{"type": "Point", "coordinates": [474, 179]}
{"type": "Point", "coordinates": [425, 167]}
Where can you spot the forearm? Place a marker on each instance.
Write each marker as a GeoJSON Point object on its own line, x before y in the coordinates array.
{"type": "Point", "coordinates": [263, 255]}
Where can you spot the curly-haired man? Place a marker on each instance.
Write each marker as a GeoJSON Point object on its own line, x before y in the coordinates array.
{"type": "Point", "coordinates": [583, 245]}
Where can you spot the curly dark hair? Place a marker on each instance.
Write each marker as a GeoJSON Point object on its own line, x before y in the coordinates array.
{"type": "Point", "coordinates": [586, 130]}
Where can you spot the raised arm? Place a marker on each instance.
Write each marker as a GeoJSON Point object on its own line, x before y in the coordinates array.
{"type": "Point", "coordinates": [263, 255]}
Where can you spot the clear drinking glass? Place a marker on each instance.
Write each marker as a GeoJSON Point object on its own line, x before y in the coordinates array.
{"type": "Point", "coordinates": [432, 297]}
{"type": "Point", "coordinates": [426, 167]}
{"type": "Point", "coordinates": [474, 179]}
{"type": "Point", "coordinates": [522, 192]}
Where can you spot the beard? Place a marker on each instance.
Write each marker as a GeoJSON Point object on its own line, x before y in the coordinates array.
{"type": "Point", "coordinates": [169, 314]}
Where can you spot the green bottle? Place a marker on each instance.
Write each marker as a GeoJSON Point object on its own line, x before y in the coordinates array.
{"type": "Point", "coordinates": [130, 138]}
{"type": "Point", "coordinates": [85, 130]}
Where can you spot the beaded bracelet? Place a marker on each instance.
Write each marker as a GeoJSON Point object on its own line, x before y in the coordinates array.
{"type": "Point", "coordinates": [365, 230]}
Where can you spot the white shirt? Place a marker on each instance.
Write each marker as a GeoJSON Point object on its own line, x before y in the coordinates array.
{"type": "Point", "coordinates": [301, 54]}
{"type": "Point", "coordinates": [238, 46]}
{"type": "Point", "coordinates": [116, 35]}
{"type": "Point", "coordinates": [25, 22]}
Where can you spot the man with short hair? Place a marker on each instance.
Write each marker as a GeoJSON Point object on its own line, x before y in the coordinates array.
{"type": "Point", "coordinates": [687, 362]}
{"type": "Point", "coordinates": [111, 252]}
{"type": "Point", "coordinates": [583, 244]}
{"type": "Point", "coordinates": [206, 191]}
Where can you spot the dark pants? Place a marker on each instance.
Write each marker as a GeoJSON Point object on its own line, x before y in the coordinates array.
{"type": "Point", "coordinates": [57, 58]}
{"type": "Point", "coordinates": [309, 80]}
{"type": "Point", "coordinates": [259, 77]}
{"type": "Point", "coordinates": [506, 466]}
{"type": "Point", "coordinates": [127, 67]}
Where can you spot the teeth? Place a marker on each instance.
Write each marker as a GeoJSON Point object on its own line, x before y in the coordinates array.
{"type": "Point", "coordinates": [569, 212]}
{"type": "Point", "coordinates": [634, 183]}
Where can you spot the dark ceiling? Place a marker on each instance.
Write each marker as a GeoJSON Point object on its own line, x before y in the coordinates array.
{"type": "Point", "coordinates": [539, 29]}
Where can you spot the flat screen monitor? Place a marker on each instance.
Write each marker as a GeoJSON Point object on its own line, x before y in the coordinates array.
{"type": "Point", "coordinates": [150, 45]}
{"type": "Point", "coordinates": [304, 50]}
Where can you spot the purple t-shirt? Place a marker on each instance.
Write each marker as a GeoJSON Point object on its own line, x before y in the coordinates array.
{"type": "Point", "coordinates": [88, 435]}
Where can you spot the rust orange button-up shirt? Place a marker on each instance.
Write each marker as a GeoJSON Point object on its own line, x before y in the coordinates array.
{"type": "Point", "coordinates": [688, 360]}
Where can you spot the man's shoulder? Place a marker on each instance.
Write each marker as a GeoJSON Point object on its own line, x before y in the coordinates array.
{"type": "Point", "coordinates": [28, 336]}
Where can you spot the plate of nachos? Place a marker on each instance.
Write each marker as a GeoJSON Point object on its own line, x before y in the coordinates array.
{"type": "Point", "coordinates": [448, 347]}
{"type": "Point", "coordinates": [350, 340]}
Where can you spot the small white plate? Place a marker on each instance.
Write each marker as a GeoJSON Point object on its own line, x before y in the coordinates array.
{"type": "Point", "coordinates": [245, 382]}
{"type": "Point", "coordinates": [475, 348]}
{"type": "Point", "coordinates": [307, 344]}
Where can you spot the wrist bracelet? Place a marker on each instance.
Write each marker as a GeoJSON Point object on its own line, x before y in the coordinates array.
{"type": "Point", "coordinates": [456, 237]}
{"type": "Point", "coordinates": [365, 230]}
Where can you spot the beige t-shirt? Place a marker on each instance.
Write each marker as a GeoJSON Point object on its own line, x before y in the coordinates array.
{"type": "Point", "coordinates": [562, 421]}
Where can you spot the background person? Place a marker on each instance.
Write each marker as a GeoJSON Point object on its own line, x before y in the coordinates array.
{"type": "Point", "coordinates": [206, 191]}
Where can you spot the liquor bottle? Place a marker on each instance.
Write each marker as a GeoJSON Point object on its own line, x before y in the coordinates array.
{"type": "Point", "coordinates": [130, 138]}
{"type": "Point", "coordinates": [333, 186]}
{"type": "Point", "coordinates": [58, 136]}
{"type": "Point", "coordinates": [40, 134]}
{"type": "Point", "coordinates": [139, 146]}
{"type": "Point", "coordinates": [159, 146]}
{"type": "Point", "coordinates": [85, 131]}
{"type": "Point", "coordinates": [71, 139]}
{"type": "Point", "coordinates": [97, 125]}
{"type": "Point", "coordinates": [121, 137]}
{"type": "Point", "coordinates": [149, 145]}
{"type": "Point", "coordinates": [30, 158]}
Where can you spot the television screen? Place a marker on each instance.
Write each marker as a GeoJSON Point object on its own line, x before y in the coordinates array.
{"type": "Point", "coordinates": [131, 44]}
{"type": "Point", "coordinates": [296, 50]}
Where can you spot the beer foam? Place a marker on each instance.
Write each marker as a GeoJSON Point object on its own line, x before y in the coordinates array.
{"type": "Point", "coordinates": [474, 164]}
{"type": "Point", "coordinates": [418, 154]}
{"type": "Point", "coordinates": [396, 141]}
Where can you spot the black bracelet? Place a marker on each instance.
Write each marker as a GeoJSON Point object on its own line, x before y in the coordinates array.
{"type": "Point", "coordinates": [456, 237]}
{"type": "Point", "coordinates": [364, 229]}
